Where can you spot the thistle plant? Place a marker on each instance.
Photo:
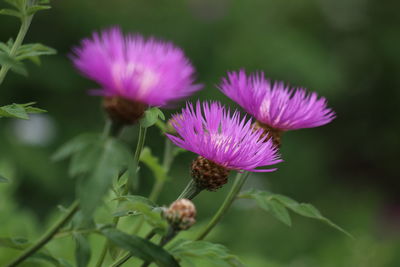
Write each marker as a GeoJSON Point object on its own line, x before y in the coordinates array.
{"type": "Point", "coordinates": [137, 77]}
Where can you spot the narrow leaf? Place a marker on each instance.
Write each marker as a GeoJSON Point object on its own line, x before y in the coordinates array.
{"type": "Point", "coordinates": [33, 9]}
{"type": "Point", "coordinates": [13, 64]}
{"type": "Point", "coordinates": [140, 247]}
{"type": "Point", "coordinates": [82, 250]}
{"type": "Point", "coordinates": [10, 12]}
{"type": "Point", "coordinates": [14, 111]}
{"type": "Point", "coordinates": [34, 50]}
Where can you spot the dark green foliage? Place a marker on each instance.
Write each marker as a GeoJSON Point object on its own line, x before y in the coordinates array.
{"type": "Point", "coordinates": [278, 205]}
{"type": "Point", "coordinates": [140, 247]}
{"type": "Point", "coordinates": [214, 254]}
{"type": "Point", "coordinates": [19, 111]}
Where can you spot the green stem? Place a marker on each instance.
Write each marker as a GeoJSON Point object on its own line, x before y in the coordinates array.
{"type": "Point", "coordinates": [139, 148]}
{"type": "Point", "coordinates": [167, 161]}
{"type": "Point", "coordinates": [237, 185]}
{"type": "Point", "coordinates": [128, 255]}
{"type": "Point", "coordinates": [112, 128]}
{"type": "Point", "coordinates": [47, 236]}
{"type": "Point", "coordinates": [190, 191]}
{"type": "Point", "coordinates": [159, 184]}
{"type": "Point", "coordinates": [128, 185]}
{"type": "Point", "coordinates": [25, 23]}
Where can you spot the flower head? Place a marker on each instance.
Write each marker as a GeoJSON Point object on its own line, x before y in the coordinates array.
{"type": "Point", "coordinates": [226, 141]}
{"type": "Point", "coordinates": [146, 71]}
{"type": "Point", "coordinates": [276, 105]}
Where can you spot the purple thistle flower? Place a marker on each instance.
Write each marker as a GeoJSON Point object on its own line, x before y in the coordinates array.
{"type": "Point", "coordinates": [142, 70]}
{"type": "Point", "coordinates": [277, 105]}
{"type": "Point", "coordinates": [229, 141]}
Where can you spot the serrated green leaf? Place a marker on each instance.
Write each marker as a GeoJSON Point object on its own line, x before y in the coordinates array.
{"type": "Point", "coordinates": [33, 9]}
{"type": "Point", "coordinates": [304, 209]}
{"type": "Point", "coordinates": [280, 212]}
{"type": "Point", "coordinates": [19, 4]}
{"type": "Point", "coordinates": [140, 247]}
{"type": "Point", "coordinates": [19, 111]}
{"type": "Point", "coordinates": [151, 116]}
{"type": "Point", "coordinates": [136, 199]}
{"type": "Point", "coordinates": [13, 64]}
{"type": "Point", "coordinates": [128, 205]}
{"type": "Point", "coordinates": [82, 250]}
{"type": "Point", "coordinates": [153, 163]}
{"type": "Point", "coordinates": [106, 162]}
{"type": "Point", "coordinates": [28, 51]}
{"type": "Point", "coordinates": [35, 60]}
{"type": "Point", "coordinates": [10, 12]}
{"type": "Point", "coordinates": [218, 255]}
{"type": "Point", "coordinates": [4, 48]}
{"type": "Point", "coordinates": [75, 145]}
{"type": "Point", "coordinates": [14, 111]}
{"type": "Point", "coordinates": [3, 179]}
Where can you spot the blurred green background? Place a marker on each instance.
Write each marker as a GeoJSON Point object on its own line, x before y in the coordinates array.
{"type": "Point", "coordinates": [346, 50]}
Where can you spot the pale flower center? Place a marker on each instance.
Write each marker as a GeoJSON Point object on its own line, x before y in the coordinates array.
{"type": "Point", "coordinates": [144, 77]}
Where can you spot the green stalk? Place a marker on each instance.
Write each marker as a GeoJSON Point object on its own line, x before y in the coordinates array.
{"type": "Point", "coordinates": [237, 185]}
{"type": "Point", "coordinates": [139, 148]}
{"type": "Point", "coordinates": [47, 236]}
{"type": "Point", "coordinates": [190, 191]}
{"type": "Point", "coordinates": [25, 23]}
{"type": "Point", "coordinates": [167, 161]}
{"type": "Point", "coordinates": [159, 184]}
{"type": "Point", "coordinates": [128, 185]}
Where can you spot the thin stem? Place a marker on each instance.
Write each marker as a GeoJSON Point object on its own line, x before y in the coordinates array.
{"type": "Point", "coordinates": [128, 255]}
{"type": "Point", "coordinates": [47, 236]}
{"type": "Point", "coordinates": [128, 185]}
{"type": "Point", "coordinates": [25, 23]}
{"type": "Point", "coordinates": [237, 185]}
{"type": "Point", "coordinates": [159, 184]}
{"type": "Point", "coordinates": [112, 128]}
{"type": "Point", "coordinates": [190, 191]}
{"type": "Point", "coordinates": [139, 148]}
{"type": "Point", "coordinates": [167, 161]}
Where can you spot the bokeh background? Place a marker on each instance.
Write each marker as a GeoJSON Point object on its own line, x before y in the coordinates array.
{"type": "Point", "coordinates": [346, 50]}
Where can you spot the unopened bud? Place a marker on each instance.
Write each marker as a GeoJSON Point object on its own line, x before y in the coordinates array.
{"type": "Point", "coordinates": [181, 214]}
{"type": "Point", "coordinates": [208, 175]}
{"type": "Point", "coordinates": [123, 110]}
{"type": "Point", "coordinates": [272, 133]}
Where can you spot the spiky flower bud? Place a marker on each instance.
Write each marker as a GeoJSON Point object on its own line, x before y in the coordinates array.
{"type": "Point", "coordinates": [181, 214]}
{"type": "Point", "coordinates": [208, 175]}
{"type": "Point", "coordinates": [122, 110]}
